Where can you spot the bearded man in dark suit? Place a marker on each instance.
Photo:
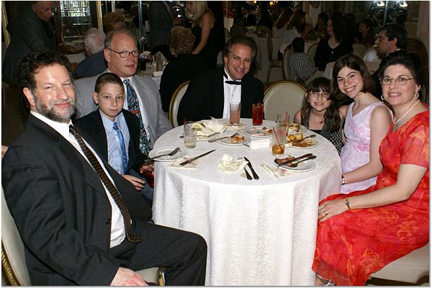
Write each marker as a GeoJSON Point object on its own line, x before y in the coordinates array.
{"type": "Point", "coordinates": [209, 94]}
{"type": "Point", "coordinates": [64, 197]}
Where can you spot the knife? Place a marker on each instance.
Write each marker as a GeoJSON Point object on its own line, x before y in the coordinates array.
{"type": "Point", "coordinates": [255, 175]}
{"type": "Point", "coordinates": [199, 156]}
{"type": "Point", "coordinates": [295, 159]}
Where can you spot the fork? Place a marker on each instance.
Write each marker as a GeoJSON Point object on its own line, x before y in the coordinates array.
{"type": "Point", "coordinates": [214, 140]}
{"type": "Point", "coordinates": [248, 176]}
{"type": "Point", "coordinates": [167, 154]}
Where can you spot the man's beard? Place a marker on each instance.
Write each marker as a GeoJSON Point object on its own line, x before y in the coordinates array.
{"type": "Point", "coordinates": [50, 113]}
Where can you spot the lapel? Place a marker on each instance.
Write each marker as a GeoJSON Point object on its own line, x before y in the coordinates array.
{"type": "Point", "coordinates": [100, 135]}
{"type": "Point", "coordinates": [133, 126]}
{"type": "Point", "coordinates": [69, 152]}
{"type": "Point", "coordinates": [145, 94]}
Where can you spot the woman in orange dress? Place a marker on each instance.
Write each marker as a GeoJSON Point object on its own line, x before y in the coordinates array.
{"type": "Point", "coordinates": [359, 234]}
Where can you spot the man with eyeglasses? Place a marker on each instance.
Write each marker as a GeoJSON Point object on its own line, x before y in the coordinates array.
{"type": "Point", "coordinates": [143, 99]}
{"type": "Point", "coordinates": [392, 37]}
{"type": "Point", "coordinates": [29, 33]}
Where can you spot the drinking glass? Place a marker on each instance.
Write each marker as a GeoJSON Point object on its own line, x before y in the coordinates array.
{"type": "Point", "coordinates": [257, 114]}
{"type": "Point", "coordinates": [283, 120]}
{"type": "Point", "coordinates": [235, 112]}
{"type": "Point", "coordinates": [190, 135]}
{"type": "Point", "coordinates": [278, 140]}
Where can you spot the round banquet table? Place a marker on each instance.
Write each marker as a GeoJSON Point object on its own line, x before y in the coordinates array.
{"type": "Point", "coordinates": [258, 232]}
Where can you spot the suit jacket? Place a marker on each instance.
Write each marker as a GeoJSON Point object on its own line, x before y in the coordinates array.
{"type": "Point", "coordinates": [91, 66]}
{"type": "Point", "coordinates": [181, 69]}
{"type": "Point", "coordinates": [205, 96]}
{"type": "Point", "coordinates": [28, 35]}
{"type": "Point", "coordinates": [161, 22]}
{"type": "Point", "coordinates": [61, 208]}
{"type": "Point", "coordinates": [145, 87]}
{"type": "Point", "coordinates": [92, 124]}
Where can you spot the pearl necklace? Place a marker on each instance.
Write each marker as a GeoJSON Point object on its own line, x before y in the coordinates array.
{"type": "Point", "coordinates": [397, 121]}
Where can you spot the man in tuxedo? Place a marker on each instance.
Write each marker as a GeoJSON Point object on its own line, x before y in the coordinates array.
{"type": "Point", "coordinates": [210, 94]}
{"type": "Point", "coordinates": [143, 98]}
{"type": "Point", "coordinates": [80, 221]}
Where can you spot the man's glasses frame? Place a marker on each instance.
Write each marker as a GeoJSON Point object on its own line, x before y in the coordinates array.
{"type": "Point", "coordinates": [125, 54]}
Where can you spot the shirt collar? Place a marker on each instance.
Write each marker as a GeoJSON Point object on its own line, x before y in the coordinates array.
{"type": "Point", "coordinates": [61, 128]}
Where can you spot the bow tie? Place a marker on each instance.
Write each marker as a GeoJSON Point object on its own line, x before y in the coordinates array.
{"type": "Point", "coordinates": [233, 82]}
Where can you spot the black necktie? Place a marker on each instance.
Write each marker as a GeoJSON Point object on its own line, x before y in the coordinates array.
{"type": "Point", "coordinates": [108, 184]}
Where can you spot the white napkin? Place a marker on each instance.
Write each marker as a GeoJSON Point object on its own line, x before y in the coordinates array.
{"type": "Point", "coordinates": [278, 173]}
{"type": "Point", "coordinates": [228, 165]}
{"type": "Point", "coordinates": [192, 165]}
{"type": "Point", "coordinates": [208, 127]}
{"type": "Point", "coordinates": [257, 143]}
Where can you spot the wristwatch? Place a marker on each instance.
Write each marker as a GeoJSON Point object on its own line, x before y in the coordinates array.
{"type": "Point", "coordinates": [343, 181]}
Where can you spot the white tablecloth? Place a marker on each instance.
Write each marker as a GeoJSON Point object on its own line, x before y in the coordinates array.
{"type": "Point", "coordinates": [328, 72]}
{"type": "Point", "coordinates": [258, 232]}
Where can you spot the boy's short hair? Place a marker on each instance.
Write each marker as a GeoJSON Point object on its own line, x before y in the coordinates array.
{"type": "Point", "coordinates": [107, 78]}
{"type": "Point", "coordinates": [298, 45]}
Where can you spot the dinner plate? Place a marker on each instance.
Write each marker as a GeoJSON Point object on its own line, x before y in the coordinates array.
{"type": "Point", "coordinates": [305, 166]}
{"type": "Point", "coordinates": [166, 150]}
{"type": "Point", "coordinates": [202, 138]}
{"type": "Point", "coordinates": [227, 141]}
{"type": "Point", "coordinates": [312, 143]}
{"type": "Point", "coordinates": [259, 131]}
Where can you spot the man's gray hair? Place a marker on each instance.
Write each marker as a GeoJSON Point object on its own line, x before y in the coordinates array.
{"type": "Point", "coordinates": [94, 40]}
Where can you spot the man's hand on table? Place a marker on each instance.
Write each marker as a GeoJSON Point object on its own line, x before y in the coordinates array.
{"type": "Point", "coordinates": [127, 277]}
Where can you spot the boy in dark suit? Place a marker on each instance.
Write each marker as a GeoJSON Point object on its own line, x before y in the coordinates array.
{"type": "Point", "coordinates": [116, 132]}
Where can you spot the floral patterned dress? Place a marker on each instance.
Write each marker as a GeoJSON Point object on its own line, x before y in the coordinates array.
{"type": "Point", "coordinates": [353, 245]}
{"type": "Point", "coordinates": [355, 152]}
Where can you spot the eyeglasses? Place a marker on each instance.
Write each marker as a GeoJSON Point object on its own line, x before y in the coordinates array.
{"type": "Point", "coordinates": [317, 95]}
{"type": "Point", "coordinates": [399, 81]}
{"type": "Point", "coordinates": [125, 54]}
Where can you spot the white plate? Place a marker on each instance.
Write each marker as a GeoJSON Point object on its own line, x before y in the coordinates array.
{"type": "Point", "coordinates": [305, 166]}
{"type": "Point", "coordinates": [227, 141]}
{"type": "Point", "coordinates": [313, 142]}
{"type": "Point", "coordinates": [259, 131]}
{"type": "Point", "coordinates": [166, 150]}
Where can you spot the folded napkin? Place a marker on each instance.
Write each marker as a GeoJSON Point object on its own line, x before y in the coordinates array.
{"type": "Point", "coordinates": [228, 165]}
{"type": "Point", "coordinates": [208, 127]}
{"type": "Point", "coordinates": [278, 173]}
{"type": "Point", "coordinates": [257, 143]}
{"type": "Point", "coordinates": [192, 165]}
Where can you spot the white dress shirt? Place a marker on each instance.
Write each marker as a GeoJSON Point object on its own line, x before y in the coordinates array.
{"type": "Point", "coordinates": [232, 93]}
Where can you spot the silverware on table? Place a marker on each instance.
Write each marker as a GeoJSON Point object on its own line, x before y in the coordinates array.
{"type": "Point", "coordinates": [295, 164]}
{"type": "Point", "coordinates": [195, 158]}
{"type": "Point", "coordinates": [294, 159]}
{"type": "Point", "coordinates": [214, 140]}
{"type": "Point", "coordinates": [166, 154]}
{"type": "Point", "coordinates": [247, 174]}
{"type": "Point", "coordinates": [307, 137]}
{"type": "Point", "coordinates": [255, 175]}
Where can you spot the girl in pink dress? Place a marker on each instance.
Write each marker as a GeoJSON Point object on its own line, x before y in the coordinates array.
{"type": "Point", "coordinates": [366, 124]}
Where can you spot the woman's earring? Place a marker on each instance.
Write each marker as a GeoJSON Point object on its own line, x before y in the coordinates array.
{"type": "Point", "coordinates": [416, 95]}
{"type": "Point", "coordinates": [382, 97]}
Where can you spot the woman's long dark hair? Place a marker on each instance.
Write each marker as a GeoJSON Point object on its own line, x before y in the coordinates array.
{"type": "Point", "coordinates": [332, 112]}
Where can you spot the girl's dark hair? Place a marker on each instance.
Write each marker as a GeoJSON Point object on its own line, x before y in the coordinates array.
{"type": "Point", "coordinates": [356, 63]}
{"type": "Point", "coordinates": [332, 112]}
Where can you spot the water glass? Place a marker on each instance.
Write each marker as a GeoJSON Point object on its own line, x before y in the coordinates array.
{"type": "Point", "coordinates": [283, 120]}
{"type": "Point", "coordinates": [257, 114]}
{"type": "Point", "coordinates": [190, 135]}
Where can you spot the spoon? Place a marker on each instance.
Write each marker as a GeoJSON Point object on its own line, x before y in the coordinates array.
{"type": "Point", "coordinates": [295, 164]}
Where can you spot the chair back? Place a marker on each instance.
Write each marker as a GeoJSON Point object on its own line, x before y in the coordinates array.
{"type": "Point", "coordinates": [312, 49]}
{"type": "Point", "coordinates": [286, 68]}
{"type": "Point", "coordinates": [359, 49]}
{"type": "Point", "coordinates": [370, 55]}
{"type": "Point", "coordinates": [269, 47]}
{"type": "Point", "coordinates": [175, 102]}
{"type": "Point", "coordinates": [12, 254]}
{"type": "Point", "coordinates": [285, 95]}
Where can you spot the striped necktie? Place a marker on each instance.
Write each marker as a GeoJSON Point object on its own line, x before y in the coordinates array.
{"type": "Point", "coordinates": [133, 106]}
{"type": "Point", "coordinates": [108, 184]}
{"type": "Point", "coordinates": [122, 147]}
